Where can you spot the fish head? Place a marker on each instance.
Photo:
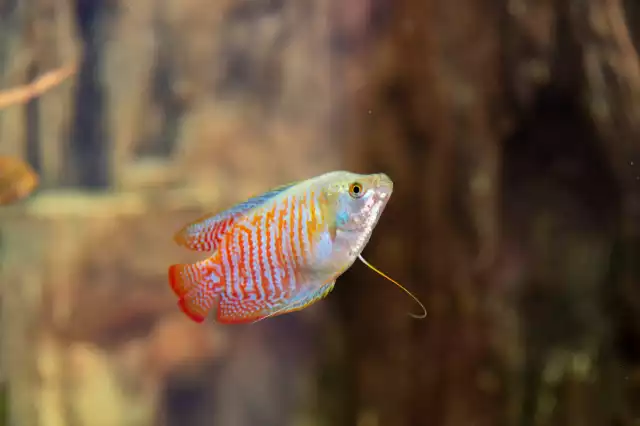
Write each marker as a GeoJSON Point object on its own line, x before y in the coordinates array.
{"type": "Point", "coordinates": [357, 202]}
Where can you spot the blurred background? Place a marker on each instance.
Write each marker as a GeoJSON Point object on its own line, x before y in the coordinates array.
{"type": "Point", "coordinates": [511, 129]}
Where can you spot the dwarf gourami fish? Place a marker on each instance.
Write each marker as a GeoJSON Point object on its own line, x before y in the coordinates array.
{"type": "Point", "coordinates": [17, 180]}
{"type": "Point", "coordinates": [280, 251]}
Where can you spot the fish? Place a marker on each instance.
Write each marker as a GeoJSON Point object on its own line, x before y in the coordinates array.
{"type": "Point", "coordinates": [17, 180]}
{"type": "Point", "coordinates": [280, 251]}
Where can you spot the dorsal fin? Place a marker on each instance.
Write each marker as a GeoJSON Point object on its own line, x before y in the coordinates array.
{"type": "Point", "coordinates": [204, 233]}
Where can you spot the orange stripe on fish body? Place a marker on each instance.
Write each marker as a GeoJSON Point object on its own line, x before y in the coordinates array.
{"type": "Point", "coordinates": [281, 247]}
{"type": "Point", "coordinates": [259, 258]}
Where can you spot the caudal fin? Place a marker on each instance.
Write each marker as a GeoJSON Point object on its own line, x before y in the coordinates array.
{"type": "Point", "coordinates": [197, 286]}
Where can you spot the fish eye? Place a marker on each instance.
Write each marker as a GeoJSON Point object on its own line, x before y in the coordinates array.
{"type": "Point", "coordinates": [356, 190]}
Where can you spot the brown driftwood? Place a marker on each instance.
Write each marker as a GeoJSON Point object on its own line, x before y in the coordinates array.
{"type": "Point", "coordinates": [511, 211]}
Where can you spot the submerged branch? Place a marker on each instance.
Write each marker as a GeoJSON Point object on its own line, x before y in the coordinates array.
{"type": "Point", "coordinates": [25, 93]}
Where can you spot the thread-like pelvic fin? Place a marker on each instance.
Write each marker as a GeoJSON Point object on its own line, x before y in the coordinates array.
{"type": "Point", "coordinates": [424, 314]}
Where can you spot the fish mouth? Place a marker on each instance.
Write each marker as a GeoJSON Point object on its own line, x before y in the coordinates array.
{"type": "Point", "coordinates": [383, 185]}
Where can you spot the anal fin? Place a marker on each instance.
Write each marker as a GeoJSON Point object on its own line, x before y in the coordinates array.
{"type": "Point", "coordinates": [246, 311]}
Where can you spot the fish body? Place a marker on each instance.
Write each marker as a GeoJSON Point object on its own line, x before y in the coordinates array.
{"type": "Point", "coordinates": [280, 251]}
{"type": "Point", "coordinates": [17, 180]}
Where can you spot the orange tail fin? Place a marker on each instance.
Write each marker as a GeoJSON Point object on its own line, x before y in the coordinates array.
{"type": "Point", "coordinates": [197, 285]}
{"type": "Point", "coordinates": [182, 278]}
